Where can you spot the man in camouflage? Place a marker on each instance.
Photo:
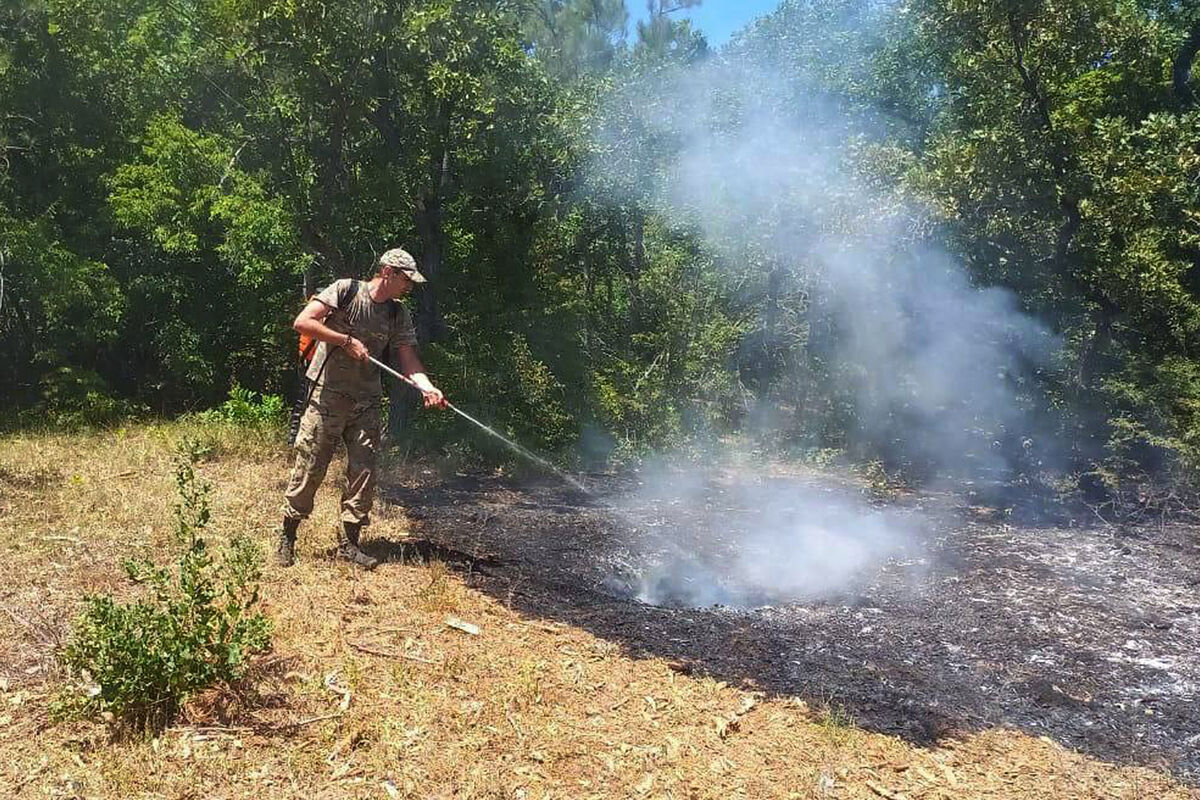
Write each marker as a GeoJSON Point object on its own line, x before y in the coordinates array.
{"type": "Point", "coordinates": [351, 320]}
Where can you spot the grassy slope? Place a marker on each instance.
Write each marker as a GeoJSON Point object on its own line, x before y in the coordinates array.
{"type": "Point", "coordinates": [529, 708]}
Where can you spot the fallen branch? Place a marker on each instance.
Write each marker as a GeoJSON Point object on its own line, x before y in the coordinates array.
{"type": "Point", "coordinates": [301, 723]}
{"type": "Point", "coordinates": [368, 649]}
{"type": "Point", "coordinates": [13, 616]}
{"type": "Point", "coordinates": [204, 730]}
{"type": "Point", "coordinates": [403, 629]}
{"type": "Point", "coordinates": [80, 543]}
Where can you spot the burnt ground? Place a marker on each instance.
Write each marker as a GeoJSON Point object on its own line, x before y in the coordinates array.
{"type": "Point", "coordinates": [1086, 635]}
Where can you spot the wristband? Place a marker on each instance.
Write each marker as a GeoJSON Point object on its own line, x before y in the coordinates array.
{"type": "Point", "coordinates": [347, 342]}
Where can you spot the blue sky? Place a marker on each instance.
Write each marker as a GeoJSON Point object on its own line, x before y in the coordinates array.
{"type": "Point", "coordinates": [718, 19]}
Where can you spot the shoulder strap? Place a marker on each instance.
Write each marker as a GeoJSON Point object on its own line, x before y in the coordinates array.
{"type": "Point", "coordinates": [345, 295]}
{"type": "Point", "coordinates": [346, 292]}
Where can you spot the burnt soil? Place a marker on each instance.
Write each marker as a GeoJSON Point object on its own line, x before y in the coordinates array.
{"type": "Point", "coordinates": [1082, 633]}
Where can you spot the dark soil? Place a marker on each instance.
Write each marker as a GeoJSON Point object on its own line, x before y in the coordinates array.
{"type": "Point", "coordinates": [1083, 634]}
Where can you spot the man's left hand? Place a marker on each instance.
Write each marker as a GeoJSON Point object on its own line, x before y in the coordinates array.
{"type": "Point", "coordinates": [433, 397]}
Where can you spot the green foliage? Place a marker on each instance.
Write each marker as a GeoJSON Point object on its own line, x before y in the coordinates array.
{"type": "Point", "coordinates": [576, 38]}
{"type": "Point", "coordinates": [137, 662]}
{"type": "Point", "coordinates": [673, 381]}
{"type": "Point", "coordinates": [175, 180]}
{"type": "Point", "coordinates": [662, 37]}
{"type": "Point", "coordinates": [248, 409]}
{"type": "Point", "coordinates": [1157, 419]}
{"type": "Point", "coordinates": [1066, 170]}
{"type": "Point", "coordinates": [510, 389]}
{"type": "Point", "coordinates": [74, 399]}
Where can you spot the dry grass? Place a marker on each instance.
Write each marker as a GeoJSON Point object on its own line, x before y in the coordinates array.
{"type": "Point", "coordinates": [527, 709]}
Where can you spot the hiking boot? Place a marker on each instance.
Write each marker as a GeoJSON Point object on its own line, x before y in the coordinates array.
{"type": "Point", "coordinates": [347, 549]}
{"type": "Point", "coordinates": [285, 550]}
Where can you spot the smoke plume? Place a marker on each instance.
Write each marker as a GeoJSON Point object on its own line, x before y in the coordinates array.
{"type": "Point", "coordinates": [742, 539]}
{"type": "Point", "coordinates": [938, 370]}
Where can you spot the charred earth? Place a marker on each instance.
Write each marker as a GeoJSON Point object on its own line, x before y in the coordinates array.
{"type": "Point", "coordinates": [1084, 634]}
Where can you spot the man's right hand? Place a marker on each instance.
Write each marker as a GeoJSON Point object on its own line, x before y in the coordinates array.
{"type": "Point", "coordinates": [356, 349]}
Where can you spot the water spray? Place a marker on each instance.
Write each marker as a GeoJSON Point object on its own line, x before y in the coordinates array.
{"type": "Point", "coordinates": [619, 513]}
{"type": "Point", "coordinates": [516, 448]}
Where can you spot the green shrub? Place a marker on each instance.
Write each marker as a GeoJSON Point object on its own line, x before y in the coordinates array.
{"type": "Point", "coordinates": [248, 409]}
{"type": "Point", "coordinates": [140, 661]}
{"type": "Point", "coordinates": [78, 398]}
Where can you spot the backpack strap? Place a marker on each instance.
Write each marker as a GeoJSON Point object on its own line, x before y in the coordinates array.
{"type": "Point", "coordinates": [347, 292]}
{"type": "Point", "coordinates": [308, 344]}
{"type": "Point", "coordinates": [344, 294]}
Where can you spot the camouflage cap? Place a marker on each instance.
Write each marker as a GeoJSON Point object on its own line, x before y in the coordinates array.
{"type": "Point", "coordinates": [401, 261]}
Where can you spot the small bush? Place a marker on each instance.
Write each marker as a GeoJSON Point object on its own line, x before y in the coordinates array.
{"type": "Point", "coordinates": [139, 662]}
{"type": "Point", "coordinates": [248, 409]}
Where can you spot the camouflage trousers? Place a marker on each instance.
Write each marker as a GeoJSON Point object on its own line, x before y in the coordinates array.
{"type": "Point", "coordinates": [332, 417]}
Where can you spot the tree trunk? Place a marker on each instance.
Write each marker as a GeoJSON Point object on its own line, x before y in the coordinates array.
{"type": "Point", "coordinates": [430, 325]}
{"type": "Point", "coordinates": [1104, 317]}
{"type": "Point", "coordinates": [322, 199]}
{"type": "Point", "coordinates": [637, 263]}
{"type": "Point", "coordinates": [1181, 70]}
{"type": "Point", "coordinates": [402, 404]}
{"type": "Point", "coordinates": [589, 294]}
{"type": "Point", "coordinates": [325, 251]}
{"type": "Point", "coordinates": [639, 244]}
{"type": "Point", "coordinates": [310, 281]}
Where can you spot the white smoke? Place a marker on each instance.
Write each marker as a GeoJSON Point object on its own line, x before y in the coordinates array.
{"type": "Point", "coordinates": [760, 541]}
{"type": "Point", "coordinates": [939, 369]}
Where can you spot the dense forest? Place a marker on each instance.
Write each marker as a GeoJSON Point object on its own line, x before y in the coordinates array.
{"type": "Point", "coordinates": [943, 236]}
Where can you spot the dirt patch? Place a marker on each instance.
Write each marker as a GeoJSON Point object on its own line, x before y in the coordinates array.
{"type": "Point", "coordinates": [1078, 634]}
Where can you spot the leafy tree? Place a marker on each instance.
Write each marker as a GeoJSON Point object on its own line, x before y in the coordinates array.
{"type": "Point", "coordinates": [576, 38]}
{"type": "Point", "coordinates": [1032, 159]}
{"type": "Point", "coordinates": [661, 36]}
